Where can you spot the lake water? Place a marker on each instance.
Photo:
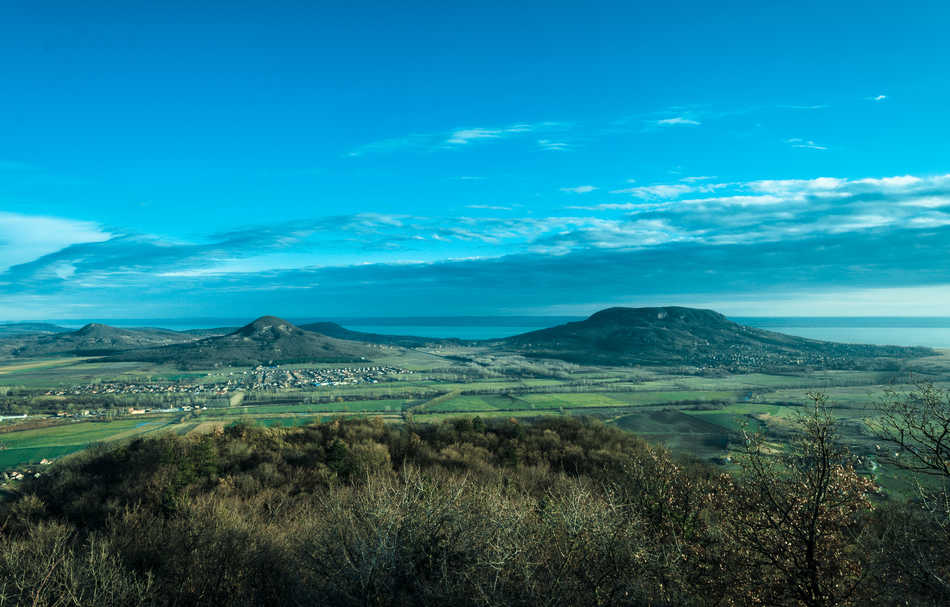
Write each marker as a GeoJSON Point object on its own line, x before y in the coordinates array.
{"type": "Point", "coordinates": [908, 336]}
{"type": "Point", "coordinates": [930, 332]}
{"type": "Point", "coordinates": [460, 331]}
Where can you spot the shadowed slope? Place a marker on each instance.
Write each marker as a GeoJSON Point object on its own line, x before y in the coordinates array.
{"type": "Point", "coordinates": [332, 329]}
{"type": "Point", "coordinates": [676, 335]}
{"type": "Point", "coordinates": [91, 340]}
{"type": "Point", "coordinates": [266, 340]}
{"type": "Point", "coordinates": [17, 329]}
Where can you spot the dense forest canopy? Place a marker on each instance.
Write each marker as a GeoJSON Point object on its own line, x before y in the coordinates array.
{"type": "Point", "coordinates": [552, 512]}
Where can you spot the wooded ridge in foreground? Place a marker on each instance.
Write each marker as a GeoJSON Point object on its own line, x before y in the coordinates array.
{"type": "Point", "coordinates": [556, 512]}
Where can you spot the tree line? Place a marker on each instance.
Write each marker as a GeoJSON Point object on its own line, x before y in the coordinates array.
{"type": "Point", "coordinates": [558, 511]}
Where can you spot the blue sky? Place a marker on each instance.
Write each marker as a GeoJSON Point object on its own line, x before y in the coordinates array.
{"type": "Point", "coordinates": [493, 158]}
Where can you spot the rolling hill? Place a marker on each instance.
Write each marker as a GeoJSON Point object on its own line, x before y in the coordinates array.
{"type": "Point", "coordinates": [688, 336]}
{"type": "Point", "coordinates": [267, 340]}
{"type": "Point", "coordinates": [19, 329]}
{"type": "Point", "coordinates": [91, 340]}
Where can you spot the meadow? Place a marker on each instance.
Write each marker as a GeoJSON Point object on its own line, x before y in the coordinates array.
{"type": "Point", "coordinates": [31, 446]}
{"type": "Point", "coordinates": [700, 413]}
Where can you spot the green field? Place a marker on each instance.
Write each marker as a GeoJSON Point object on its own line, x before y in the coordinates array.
{"type": "Point", "coordinates": [573, 400]}
{"type": "Point", "coordinates": [353, 406]}
{"type": "Point", "coordinates": [30, 446]}
{"type": "Point", "coordinates": [54, 373]}
{"type": "Point", "coordinates": [696, 414]}
{"type": "Point", "coordinates": [679, 432]}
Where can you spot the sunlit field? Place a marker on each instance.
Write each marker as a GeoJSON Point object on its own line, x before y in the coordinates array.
{"type": "Point", "coordinates": [693, 414]}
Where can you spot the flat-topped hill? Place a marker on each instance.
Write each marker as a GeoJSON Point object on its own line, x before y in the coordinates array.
{"type": "Point", "coordinates": [676, 335]}
{"type": "Point", "coordinates": [267, 340]}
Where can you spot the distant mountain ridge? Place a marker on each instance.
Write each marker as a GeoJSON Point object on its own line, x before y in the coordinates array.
{"type": "Point", "coordinates": [267, 340]}
{"type": "Point", "coordinates": [10, 329]}
{"type": "Point", "coordinates": [332, 329]}
{"type": "Point", "coordinates": [677, 335]}
{"type": "Point", "coordinates": [93, 339]}
{"type": "Point", "coordinates": [615, 336]}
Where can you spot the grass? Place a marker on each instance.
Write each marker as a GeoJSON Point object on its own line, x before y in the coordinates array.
{"type": "Point", "coordinates": [383, 406]}
{"type": "Point", "coordinates": [8, 368]}
{"type": "Point", "coordinates": [571, 400]}
{"type": "Point", "coordinates": [289, 421]}
{"type": "Point", "coordinates": [490, 402]}
{"type": "Point", "coordinates": [28, 446]}
{"type": "Point", "coordinates": [11, 458]}
{"type": "Point", "coordinates": [678, 431]}
{"type": "Point", "coordinates": [438, 417]}
{"type": "Point", "coordinates": [70, 371]}
{"type": "Point", "coordinates": [651, 401]}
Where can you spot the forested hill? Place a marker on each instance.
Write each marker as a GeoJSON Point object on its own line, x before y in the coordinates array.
{"type": "Point", "coordinates": [267, 340]}
{"type": "Point", "coordinates": [91, 340]}
{"type": "Point", "coordinates": [555, 513]}
{"type": "Point", "coordinates": [9, 329]}
{"type": "Point", "coordinates": [675, 335]}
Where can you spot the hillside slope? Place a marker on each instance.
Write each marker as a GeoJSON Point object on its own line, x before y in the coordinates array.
{"type": "Point", "coordinates": [331, 329]}
{"type": "Point", "coordinates": [91, 340]}
{"type": "Point", "coordinates": [688, 336]}
{"type": "Point", "coordinates": [267, 340]}
{"type": "Point", "coordinates": [18, 329]}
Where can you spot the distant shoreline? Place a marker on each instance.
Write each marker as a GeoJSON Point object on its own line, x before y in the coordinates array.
{"type": "Point", "coordinates": [928, 331]}
{"type": "Point", "coordinates": [497, 321]}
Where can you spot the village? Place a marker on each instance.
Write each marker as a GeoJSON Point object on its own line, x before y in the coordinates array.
{"type": "Point", "coordinates": [260, 378]}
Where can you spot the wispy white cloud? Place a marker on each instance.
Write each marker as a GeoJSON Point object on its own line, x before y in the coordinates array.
{"type": "Point", "coordinates": [878, 98]}
{"type": "Point", "coordinates": [669, 190]}
{"type": "Point", "coordinates": [394, 144]}
{"type": "Point", "coordinates": [797, 142]}
{"type": "Point", "coordinates": [774, 210]}
{"type": "Point", "coordinates": [457, 138]}
{"type": "Point", "coordinates": [803, 107]}
{"type": "Point", "coordinates": [468, 135]}
{"type": "Point", "coordinates": [656, 191]}
{"type": "Point", "coordinates": [900, 181]}
{"type": "Point", "coordinates": [464, 136]}
{"type": "Point", "coordinates": [789, 187]}
{"type": "Point", "coordinates": [23, 238]}
{"type": "Point", "coordinates": [929, 202]}
{"type": "Point", "coordinates": [488, 207]}
{"type": "Point", "coordinates": [610, 206]}
{"type": "Point", "coordinates": [553, 146]}
{"type": "Point", "coordinates": [867, 215]}
{"type": "Point", "coordinates": [580, 189]}
{"type": "Point", "coordinates": [697, 178]}
{"type": "Point", "coordinates": [734, 201]}
{"type": "Point", "coordinates": [678, 121]}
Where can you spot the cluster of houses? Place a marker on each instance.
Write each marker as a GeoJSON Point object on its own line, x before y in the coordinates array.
{"type": "Point", "coordinates": [182, 409]}
{"type": "Point", "coordinates": [22, 473]}
{"type": "Point", "coordinates": [278, 378]}
{"type": "Point", "coordinates": [138, 388]}
{"type": "Point", "coordinates": [126, 411]}
{"type": "Point", "coordinates": [259, 378]}
{"type": "Point", "coordinates": [745, 357]}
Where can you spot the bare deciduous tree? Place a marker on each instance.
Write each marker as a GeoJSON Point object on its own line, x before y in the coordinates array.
{"type": "Point", "coordinates": [919, 424]}
{"type": "Point", "coordinates": [796, 516]}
